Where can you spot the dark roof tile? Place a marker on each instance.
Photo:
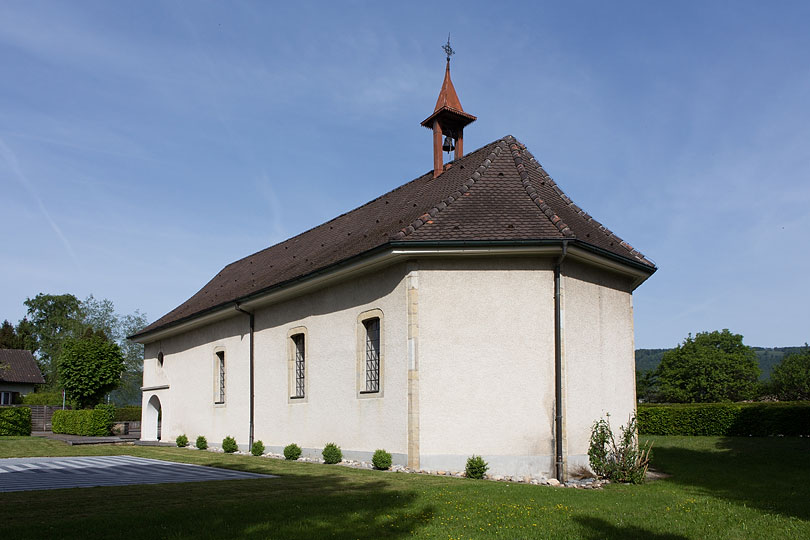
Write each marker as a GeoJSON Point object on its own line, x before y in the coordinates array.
{"type": "Point", "coordinates": [496, 193]}
{"type": "Point", "coordinates": [19, 366]}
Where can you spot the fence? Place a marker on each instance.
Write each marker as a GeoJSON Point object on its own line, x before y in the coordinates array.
{"type": "Point", "coordinates": [41, 416]}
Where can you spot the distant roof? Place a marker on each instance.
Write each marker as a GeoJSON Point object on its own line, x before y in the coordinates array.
{"type": "Point", "coordinates": [19, 366]}
{"type": "Point", "coordinates": [498, 193]}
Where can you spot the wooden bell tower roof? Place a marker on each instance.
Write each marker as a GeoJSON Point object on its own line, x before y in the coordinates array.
{"type": "Point", "coordinates": [448, 109]}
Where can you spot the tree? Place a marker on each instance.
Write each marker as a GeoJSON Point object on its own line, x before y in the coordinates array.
{"type": "Point", "coordinates": [646, 387]}
{"type": "Point", "coordinates": [8, 336]}
{"type": "Point", "coordinates": [790, 379]}
{"type": "Point", "coordinates": [20, 337]}
{"type": "Point", "coordinates": [101, 316]}
{"type": "Point", "coordinates": [54, 319]}
{"type": "Point", "coordinates": [712, 366]}
{"type": "Point", "coordinates": [89, 367]}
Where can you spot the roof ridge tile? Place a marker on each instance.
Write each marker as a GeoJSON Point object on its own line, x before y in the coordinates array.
{"type": "Point", "coordinates": [447, 201]}
{"type": "Point", "coordinates": [567, 200]}
{"type": "Point", "coordinates": [516, 146]}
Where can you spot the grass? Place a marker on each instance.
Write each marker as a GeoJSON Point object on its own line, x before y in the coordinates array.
{"type": "Point", "coordinates": [721, 487]}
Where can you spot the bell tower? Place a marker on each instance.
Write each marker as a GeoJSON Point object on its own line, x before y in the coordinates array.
{"type": "Point", "coordinates": [448, 119]}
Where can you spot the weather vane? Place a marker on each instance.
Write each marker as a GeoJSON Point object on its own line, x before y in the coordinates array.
{"type": "Point", "coordinates": [447, 48]}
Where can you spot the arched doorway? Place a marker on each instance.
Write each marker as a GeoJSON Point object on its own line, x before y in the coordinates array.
{"type": "Point", "coordinates": [152, 416]}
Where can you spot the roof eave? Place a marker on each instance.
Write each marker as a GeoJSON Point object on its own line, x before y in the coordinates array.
{"type": "Point", "coordinates": [460, 117]}
{"type": "Point", "coordinates": [390, 253]}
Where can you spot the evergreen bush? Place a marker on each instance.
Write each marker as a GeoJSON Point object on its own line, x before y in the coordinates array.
{"type": "Point", "coordinates": [332, 454]}
{"type": "Point", "coordinates": [381, 460]}
{"type": "Point", "coordinates": [292, 452]}
{"type": "Point", "coordinates": [257, 449]}
{"type": "Point", "coordinates": [15, 421]}
{"type": "Point", "coordinates": [53, 399]}
{"type": "Point", "coordinates": [87, 422]}
{"type": "Point", "coordinates": [726, 419]}
{"type": "Point", "coordinates": [128, 414]}
{"type": "Point", "coordinates": [107, 412]}
{"type": "Point", "coordinates": [476, 467]}
{"type": "Point", "coordinates": [229, 445]}
{"type": "Point", "coordinates": [202, 443]}
{"type": "Point", "coordinates": [182, 440]}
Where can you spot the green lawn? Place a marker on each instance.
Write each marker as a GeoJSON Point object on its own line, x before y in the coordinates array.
{"type": "Point", "coordinates": [720, 488]}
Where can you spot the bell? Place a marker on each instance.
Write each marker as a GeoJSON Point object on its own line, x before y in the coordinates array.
{"type": "Point", "coordinates": [448, 145]}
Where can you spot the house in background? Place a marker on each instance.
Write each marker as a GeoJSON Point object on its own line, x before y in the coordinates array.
{"type": "Point", "coordinates": [19, 374]}
{"type": "Point", "coordinates": [473, 310]}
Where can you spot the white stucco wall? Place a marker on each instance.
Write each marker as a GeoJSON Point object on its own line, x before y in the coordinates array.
{"type": "Point", "coordinates": [22, 388]}
{"type": "Point", "coordinates": [332, 410]}
{"type": "Point", "coordinates": [486, 362]}
{"type": "Point", "coordinates": [599, 364]}
{"type": "Point", "coordinates": [188, 369]}
{"type": "Point", "coordinates": [484, 345]}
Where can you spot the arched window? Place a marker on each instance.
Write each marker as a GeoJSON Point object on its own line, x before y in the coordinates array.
{"type": "Point", "coordinates": [370, 354]}
{"type": "Point", "coordinates": [219, 376]}
{"type": "Point", "coordinates": [297, 364]}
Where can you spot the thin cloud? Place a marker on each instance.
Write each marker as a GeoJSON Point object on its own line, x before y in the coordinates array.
{"type": "Point", "coordinates": [11, 161]}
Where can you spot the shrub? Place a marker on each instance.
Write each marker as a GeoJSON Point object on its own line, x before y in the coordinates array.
{"type": "Point", "coordinates": [726, 419]}
{"type": "Point", "coordinates": [292, 452]}
{"type": "Point", "coordinates": [107, 412]}
{"type": "Point", "coordinates": [54, 399]}
{"type": "Point", "coordinates": [182, 440]}
{"type": "Point", "coordinates": [622, 462]}
{"type": "Point", "coordinates": [128, 414]}
{"type": "Point", "coordinates": [257, 449]}
{"type": "Point", "coordinates": [229, 445]}
{"type": "Point", "coordinates": [381, 460]}
{"type": "Point", "coordinates": [88, 422]}
{"type": "Point", "coordinates": [332, 454]}
{"type": "Point", "coordinates": [476, 467]}
{"type": "Point", "coordinates": [15, 421]}
{"type": "Point", "coordinates": [202, 443]}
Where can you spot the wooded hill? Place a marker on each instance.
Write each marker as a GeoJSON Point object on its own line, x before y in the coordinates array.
{"type": "Point", "coordinates": [648, 359]}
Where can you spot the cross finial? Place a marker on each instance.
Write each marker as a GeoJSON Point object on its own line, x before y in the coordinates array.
{"type": "Point", "coordinates": [447, 48]}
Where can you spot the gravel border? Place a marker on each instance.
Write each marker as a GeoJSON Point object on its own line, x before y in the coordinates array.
{"type": "Point", "coordinates": [580, 483]}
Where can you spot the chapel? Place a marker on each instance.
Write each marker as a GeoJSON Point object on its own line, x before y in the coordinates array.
{"type": "Point", "coordinates": [475, 309]}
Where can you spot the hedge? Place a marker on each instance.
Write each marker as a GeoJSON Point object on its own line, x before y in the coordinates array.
{"type": "Point", "coordinates": [54, 399]}
{"type": "Point", "coordinates": [735, 419]}
{"type": "Point", "coordinates": [15, 421]}
{"type": "Point", "coordinates": [128, 414]}
{"type": "Point", "coordinates": [90, 422]}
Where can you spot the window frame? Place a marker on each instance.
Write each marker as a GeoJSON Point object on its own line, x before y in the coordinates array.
{"type": "Point", "coordinates": [220, 377]}
{"type": "Point", "coordinates": [10, 400]}
{"type": "Point", "coordinates": [363, 319]}
{"type": "Point", "coordinates": [299, 332]}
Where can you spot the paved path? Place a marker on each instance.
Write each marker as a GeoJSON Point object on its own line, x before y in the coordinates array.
{"type": "Point", "coordinates": [29, 474]}
{"type": "Point", "coordinates": [73, 440]}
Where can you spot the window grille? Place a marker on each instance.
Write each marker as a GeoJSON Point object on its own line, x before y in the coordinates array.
{"type": "Point", "coordinates": [300, 356]}
{"type": "Point", "coordinates": [221, 377]}
{"type": "Point", "coordinates": [372, 354]}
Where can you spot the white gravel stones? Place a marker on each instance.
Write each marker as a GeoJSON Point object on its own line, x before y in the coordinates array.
{"type": "Point", "coordinates": [585, 483]}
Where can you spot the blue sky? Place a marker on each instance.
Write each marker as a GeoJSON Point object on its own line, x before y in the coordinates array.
{"type": "Point", "coordinates": [145, 145]}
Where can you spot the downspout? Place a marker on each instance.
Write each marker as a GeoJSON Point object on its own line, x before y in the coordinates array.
{"type": "Point", "coordinates": [250, 376]}
{"type": "Point", "coordinates": [558, 418]}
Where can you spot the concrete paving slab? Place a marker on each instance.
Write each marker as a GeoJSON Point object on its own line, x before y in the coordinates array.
{"type": "Point", "coordinates": [31, 474]}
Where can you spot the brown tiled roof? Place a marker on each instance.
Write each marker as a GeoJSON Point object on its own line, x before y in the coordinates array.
{"type": "Point", "coordinates": [19, 366]}
{"type": "Point", "coordinates": [498, 193]}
